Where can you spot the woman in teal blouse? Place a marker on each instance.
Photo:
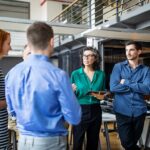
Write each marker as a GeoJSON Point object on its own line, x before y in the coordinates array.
{"type": "Point", "coordinates": [85, 79]}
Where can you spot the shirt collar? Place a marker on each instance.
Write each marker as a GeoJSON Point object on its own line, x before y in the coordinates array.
{"type": "Point", "coordinates": [127, 63]}
{"type": "Point", "coordinates": [37, 57]}
{"type": "Point", "coordinates": [81, 71]}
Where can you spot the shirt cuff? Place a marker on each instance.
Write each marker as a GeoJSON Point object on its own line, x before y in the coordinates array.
{"type": "Point", "coordinates": [126, 82]}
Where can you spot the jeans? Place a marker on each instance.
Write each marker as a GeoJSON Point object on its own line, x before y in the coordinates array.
{"type": "Point", "coordinates": [130, 130]}
{"type": "Point", "coordinates": [42, 143]}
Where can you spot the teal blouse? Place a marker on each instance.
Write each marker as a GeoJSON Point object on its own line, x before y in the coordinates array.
{"type": "Point", "coordinates": [84, 85]}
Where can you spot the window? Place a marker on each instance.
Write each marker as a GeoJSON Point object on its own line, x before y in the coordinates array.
{"type": "Point", "coordinates": [14, 9]}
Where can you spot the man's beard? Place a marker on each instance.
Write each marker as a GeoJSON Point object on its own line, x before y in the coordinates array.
{"type": "Point", "coordinates": [132, 58]}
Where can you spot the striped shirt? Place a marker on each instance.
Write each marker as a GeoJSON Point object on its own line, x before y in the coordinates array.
{"type": "Point", "coordinates": [3, 116]}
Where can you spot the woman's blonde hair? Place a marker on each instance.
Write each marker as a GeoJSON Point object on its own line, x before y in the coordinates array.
{"type": "Point", "coordinates": [3, 37]}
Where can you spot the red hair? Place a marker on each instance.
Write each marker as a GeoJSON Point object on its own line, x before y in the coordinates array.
{"type": "Point", "coordinates": [3, 37]}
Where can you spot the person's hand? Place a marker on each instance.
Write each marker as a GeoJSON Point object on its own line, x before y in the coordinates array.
{"type": "Point", "coordinates": [107, 94]}
{"type": "Point", "coordinates": [74, 87]}
{"type": "Point", "coordinates": [99, 95]}
{"type": "Point", "coordinates": [122, 81]}
{"type": "Point", "coordinates": [3, 104]}
{"type": "Point", "coordinates": [147, 97]}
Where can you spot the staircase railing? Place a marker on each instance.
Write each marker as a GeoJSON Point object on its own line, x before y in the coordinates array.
{"type": "Point", "coordinates": [95, 12]}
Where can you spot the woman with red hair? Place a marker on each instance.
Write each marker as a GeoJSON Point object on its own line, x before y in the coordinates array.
{"type": "Point", "coordinates": [4, 48]}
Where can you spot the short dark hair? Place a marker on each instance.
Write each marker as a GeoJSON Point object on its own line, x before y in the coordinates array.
{"type": "Point", "coordinates": [96, 64]}
{"type": "Point", "coordinates": [138, 45]}
{"type": "Point", "coordinates": [39, 34]}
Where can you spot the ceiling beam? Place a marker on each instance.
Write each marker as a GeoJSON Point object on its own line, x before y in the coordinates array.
{"type": "Point", "coordinates": [143, 25]}
{"type": "Point", "coordinates": [121, 34]}
{"type": "Point", "coordinates": [21, 25]}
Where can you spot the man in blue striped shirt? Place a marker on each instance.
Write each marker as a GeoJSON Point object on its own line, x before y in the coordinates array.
{"type": "Point", "coordinates": [40, 95]}
{"type": "Point", "coordinates": [130, 81]}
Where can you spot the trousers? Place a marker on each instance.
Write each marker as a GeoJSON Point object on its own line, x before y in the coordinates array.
{"type": "Point", "coordinates": [89, 125]}
{"type": "Point", "coordinates": [42, 143]}
{"type": "Point", "coordinates": [130, 130]}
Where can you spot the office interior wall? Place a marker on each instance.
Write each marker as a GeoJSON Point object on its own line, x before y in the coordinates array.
{"type": "Point", "coordinates": [47, 11]}
{"type": "Point", "coordinates": [53, 9]}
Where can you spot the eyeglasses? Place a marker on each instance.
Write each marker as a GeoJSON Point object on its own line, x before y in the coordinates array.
{"type": "Point", "coordinates": [88, 56]}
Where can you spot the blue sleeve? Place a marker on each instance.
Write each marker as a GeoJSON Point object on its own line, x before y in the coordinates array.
{"type": "Point", "coordinates": [69, 104]}
{"type": "Point", "coordinates": [140, 87]}
{"type": "Point", "coordinates": [115, 79]}
{"type": "Point", "coordinates": [8, 97]}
